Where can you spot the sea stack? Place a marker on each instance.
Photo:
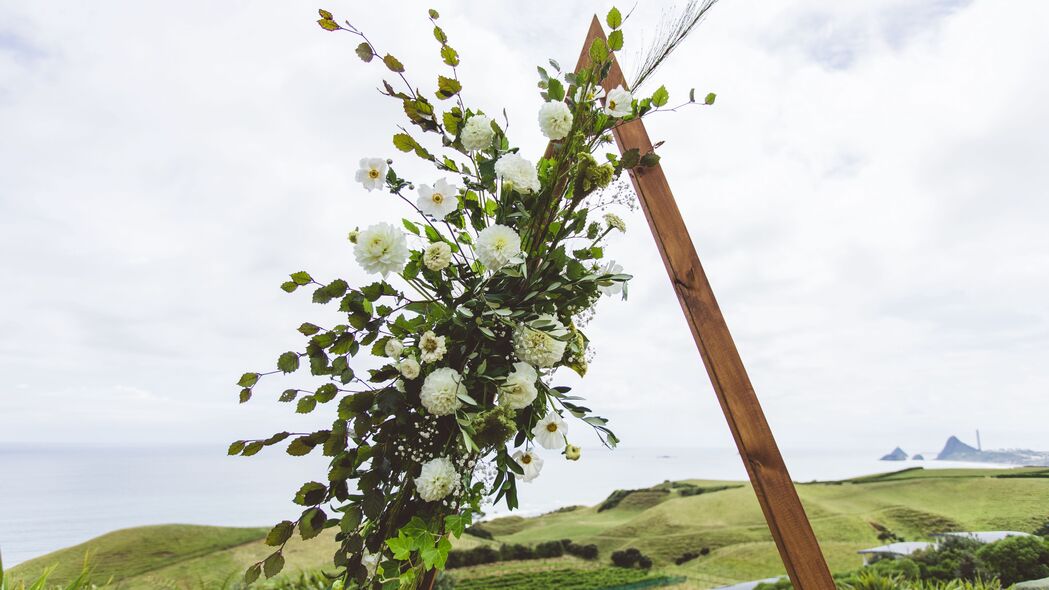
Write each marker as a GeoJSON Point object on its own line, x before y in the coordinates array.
{"type": "Point", "coordinates": [897, 454]}
{"type": "Point", "coordinates": [958, 451]}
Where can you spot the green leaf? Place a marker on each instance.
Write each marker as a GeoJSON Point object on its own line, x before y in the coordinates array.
{"type": "Point", "coordinates": [252, 574]}
{"type": "Point", "coordinates": [236, 447]}
{"type": "Point", "coordinates": [288, 362]}
{"type": "Point", "coordinates": [325, 14]}
{"type": "Point", "coordinates": [457, 523]}
{"type": "Point", "coordinates": [312, 523]}
{"type": "Point", "coordinates": [306, 405]}
{"type": "Point", "coordinates": [311, 494]}
{"type": "Point", "coordinates": [615, 40]}
{"type": "Point", "coordinates": [598, 50]}
{"type": "Point", "coordinates": [301, 278]}
{"type": "Point", "coordinates": [248, 380]}
{"type": "Point", "coordinates": [434, 14]}
{"type": "Point", "coordinates": [650, 159]}
{"type": "Point", "coordinates": [252, 448]}
{"type": "Point", "coordinates": [289, 286]}
{"type": "Point", "coordinates": [614, 18]}
{"type": "Point", "coordinates": [404, 142]}
{"type": "Point", "coordinates": [450, 56]}
{"type": "Point", "coordinates": [364, 51]}
{"type": "Point", "coordinates": [447, 87]}
{"type": "Point", "coordinates": [401, 547]}
{"type": "Point", "coordinates": [392, 63]}
{"type": "Point", "coordinates": [273, 564]}
{"type": "Point", "coordinates": [280, 533]}
{"type": "Point", "coordinates": [710, 98]}
{"type": "Point", "coordinates": [300, 446]}
{"type": "Point", "coordinates": [660, 96]}
{"type": "Point", "coordinates": [692, 95]}
{"type": "Point", "coordinates": [245, 395]}
{"type": "Point", "coordinates": [631, 158]}
{"type": "Point", "coordinates": [555, 90]}
{"type": "Point", "coordinates": [328, 25]}
{"type": "Point", "coordinates": [308, 329]}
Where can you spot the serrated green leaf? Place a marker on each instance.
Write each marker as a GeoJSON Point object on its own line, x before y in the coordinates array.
{"type": "Point", "coordinates": [245, 395]}
{"type": "Point", "coordinates": [614, 18]}
{"type": "Point", "coordinates": [289, 286]}
{"type": "Point", "coordinates": [248, 379]}
{"type": "Point", "coordinates": [404, 142]}
{"type": "Point", "coordinates": [660, 96]}
{"type": "Point", "coordinates": [392, 63]}
{"type": "Point", "coordinates": [280, 533]}
{"type": "Point", "coordinates": [273, 565]}
{"type": "Point", "coordinates": [650, 159]}
{"type": "Point", "coordinates": [236, 447]}
{"type": "Point", "coordinates": [306, 405]}
{"type": "Point", "coordinates": [450, 56]}
{"type": "Point", "coordinates": [615, 40]}
{"type": "Point", "coordinates": [447, 87]}
{"type": "Point", "coordinates": [301, 278]}
{"type": "Point", "coordinates": [325, 14]}
{"type": "Point", "coordinates": [364, 51]}
{"type": "Point", "coordinates": [288, 362]}
{"type": "Point", "coordinates": [308, 329]}
{"type": "Point", "coordinates": [252, 574]}
{"type": "Point", "coordinates": [710, 98]}
{"type": "Point", "coordinates": [598, 50]}
{"type": "Point", "coordinates": [328, 25]}
{"type": "Point", "coordinates": [434, 14]}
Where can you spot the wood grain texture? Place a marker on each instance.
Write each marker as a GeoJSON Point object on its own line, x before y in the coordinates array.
{"type": "Point", "coordinates": [779, 500]}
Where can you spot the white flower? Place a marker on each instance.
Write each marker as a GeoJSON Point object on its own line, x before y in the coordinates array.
{"type": "Point", "coordinates": [518, 172]}
{"type": "Point", "coordinates": [530, 463]}
{"type": "Point", "coordinates": [393, 348]}
{"type": "Point", "coordinates": [409, 367]}
{"type": "Point", "coordinates": [619, 103]}
{"type": "Point", "coordinates": [399, 385]}
{"type": "Point", "coordinates": [372, 173]}
{"type": "Point", "coordinates": [593, 94]}
{"type": "Point", "coordinates": [611, 268]}
{"type": "Point", "coordinates": [572, 452]}
{"type": "Point", "coordinates": [519, 390]}
{"type": "Point", "coordinates": [440, 391]}
{"type": "Point", "coordinates": [437, 479]}
{"type": "Point", "coordinates": [438, 200]}
{"type": "Point", "coordinates": [381, 248]}
{"type": "Point", "coordinates": [477, 133]}
{"type": "Point", "coordinates": [555, 119]}
{"type": "Point", "coordinates": [437, 256]}
{"type": "Point", "coordinates": [550, 431]}
{"type": "Point", "coordinates": [431, 347]}
{"type": "Point", "coordinates": [496, 245]}
{"type": "Point", "coordinates": [541, 348]}
{"type": "Point", "coordinates": [615, 221]}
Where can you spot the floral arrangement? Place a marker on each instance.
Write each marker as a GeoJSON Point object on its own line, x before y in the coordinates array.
{"type": "Point", "coordinates": [480, 297]}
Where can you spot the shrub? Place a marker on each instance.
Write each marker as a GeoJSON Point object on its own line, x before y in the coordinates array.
{"type": "Point", "coordinates": [516, 552]}
{"type": "Point", "coordinates": [644, 562]}
{"type": "Point", "coordinates": [550, 549]}
{"type": "Point", "coordinates": [476, 556]}
{"type": "Point", "coordinates": [631, 557]}
{"type": "Point", "coordinates": [953, 559]}
{"type": "Point", "coordinates": [582, 551]}
{"type": "Point", "coordinates": [479, 532]}
{"type": "Point", "coordinates": [1016, 559]}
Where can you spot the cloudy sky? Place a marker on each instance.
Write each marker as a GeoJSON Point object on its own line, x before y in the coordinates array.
{"type": "Point", "coordinates": [869, 198]}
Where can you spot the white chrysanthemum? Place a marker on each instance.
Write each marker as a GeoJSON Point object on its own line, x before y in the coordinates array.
{"type": "Point", "coordinates": [496, 245]}
{"type": "Point", "coordinates": [619, 102]}
{"type": "Point", "coordinates": [438, 200]}
{"type": "Point", "coordinates": [519, 390]}
{"type": "Point", "coordinates": [437, 479]}
{"type": "Point", "coordinates": [540, 348]}
{"type": "Point", "coordinates": [393, 348]}
{"type": "Point", "coordinates": [555, 119]}
{"type": "Point", "coordinates": [572, 452]}
{"type": "Point", "coordinates": [518, 172]}
{"type": "Point", "coordinates": [437, 256]}
{"type": "Point", "coordinates": [440, 391]}
{"type": "Point", "coordinates": [409, 367]}
{"type": "Point", "coordinates": [477, 133]}
{"type": "Point", "coordinates": [381, 248]}
{"type": "Point", "coordinates": [530, 463]}
{"type": "Point", "coordinates": [372, 173]}
{"type": "Point", "coordinates": [615, 221]}
{"type": "Point", "coordinates": [550, 431]}
{"type": "Point", "coordinates": [431, 347]}
{"type": "Point", "coordinates": [611, 268]}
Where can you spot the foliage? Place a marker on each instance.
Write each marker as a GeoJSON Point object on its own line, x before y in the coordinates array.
{"type": "Point", "coordinates": [1016, 559]}
{"type": "Point", "coordinates": [82, 581]}
{"type": "Point", "coordinates": [631, 557]}
{"type": "Point", "coordinates": [482, 297]}
{"type": "Point", "coordinates": [566, 579]}
{"type": "Point", "coordinates": [690, 555]}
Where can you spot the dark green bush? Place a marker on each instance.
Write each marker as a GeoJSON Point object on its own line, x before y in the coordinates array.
{"type": "Point", "coordinates": [1016, 559]}
{"type": "Point", "coordinates": [550, 549]}
{"type": "Point", "coordinates": [631, 557]}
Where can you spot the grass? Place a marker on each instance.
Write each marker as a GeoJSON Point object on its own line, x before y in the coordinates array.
{"type": "Point", "coordinates": [846, 517]}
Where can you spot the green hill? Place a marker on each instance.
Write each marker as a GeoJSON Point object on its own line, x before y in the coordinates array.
{"type": "Point", "coordinates": [664, 522]}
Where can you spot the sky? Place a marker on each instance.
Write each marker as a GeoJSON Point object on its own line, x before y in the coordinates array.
{"type": "Point", "coordinates": [867, 195]}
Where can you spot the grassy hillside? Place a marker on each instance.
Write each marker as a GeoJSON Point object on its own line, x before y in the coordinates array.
{"type": "Point", "coordinates": [664, 522]}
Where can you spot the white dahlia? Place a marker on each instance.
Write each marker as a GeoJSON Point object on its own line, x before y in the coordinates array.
{"type": "Point", "coordinates": [431, 347]}
{"type": "Point", "coordinates": [496, 245]}
{"type": "Point", "coordinates": [530, 463]}
{"type": "Point", "coordinates": [619, 102]}
{"type": "Point", "coordinates": [409, 368]}
{"type": "Point", "coordinates": [477, 133]}
{"type": "Point", "coordinates": [518, 172]}
{"type": "Point", "coordinates": [438, 200]}
{"type": "Point", "coordinates": [550, 431]}
{"type": "Point", "coordinates": [519, 390]}
{"type": "Point", "coordinates": [437, 479]}
{"type": "Point", "coordinates": [440, 391]}
{"type": "Point", "coordinates": [540, 348]}
{"type": "Point", "coordinates": [381, 248]}
{"type": "Point", "coordinates": [555, 119]}
{"type": "Point", "coordinates": [371, 173]}
{"type": "Point", "coordinates": [437, 256]}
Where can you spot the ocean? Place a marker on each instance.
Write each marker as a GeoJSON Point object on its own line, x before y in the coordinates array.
{"type": "Point", "coordinates": [56, 496]}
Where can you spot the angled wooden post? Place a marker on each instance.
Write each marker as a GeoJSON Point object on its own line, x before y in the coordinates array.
{"type": "Point", "coordinates": [779, 500]}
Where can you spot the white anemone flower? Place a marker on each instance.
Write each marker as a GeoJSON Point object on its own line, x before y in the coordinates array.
{"type": "Point", "coordinates": [477, 133]}
{"type": "Point", "coordinates": [372, 173]}
{"type": "Point", "coordinates": [619, 102]}
{"type": "Point", "coordinates": [518, 172]}
{"type": "Point", "coordinates": [555, 119]}
{"type": "Point", "coordinates": [530, 463]}
{"type": "Point", "coordinates": [437, 256]}
{"type": "Point", "coordinates": [540, 348]}
{"type": "Point", "coordinates": [496, 245]}
{"type": "Point", "coordinates": [440, 391]}
{"type": "Point", "coordinates": [614, 287]}
{"type": "Point", "coordinates": [550, 431]}
{"type": "Point", "coordinates": [431, 347]}
{"type": "Point", "coordinates": [381, 248]}
{"type": "Point", "coordinates": [438, 200]}
{"type": "Point", "coordinates": [519, 390]}
{"type": "Point", "coordinates": [437, 479]}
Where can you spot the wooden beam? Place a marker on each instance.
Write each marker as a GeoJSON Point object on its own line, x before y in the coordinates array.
{"type": "Point", "coordinates": [775, 491]}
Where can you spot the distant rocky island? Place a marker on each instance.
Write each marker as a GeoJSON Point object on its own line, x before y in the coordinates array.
{"type": "Point", "coordinates": [956, 450]}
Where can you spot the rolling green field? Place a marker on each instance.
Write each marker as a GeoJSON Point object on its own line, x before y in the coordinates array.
{"type": "Point", "coordinates": [664, 522]}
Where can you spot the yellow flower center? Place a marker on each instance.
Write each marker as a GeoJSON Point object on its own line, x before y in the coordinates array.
{"type": "Point", "coordinates": [526, 459]}
{"type": "Point", "coordinates": [373, 173]}
{"type": "Point", "coordinates": [437, 198]}
{"type": "Point", "coordinates": [612, 104]}
{"type": "Point", "coordinates": [551, 427]}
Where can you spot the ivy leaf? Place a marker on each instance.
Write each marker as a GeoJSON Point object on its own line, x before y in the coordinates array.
{"type": "Point", "coordinates": [392, 63]}
{"type": "Point", "coordinates": [614, 18]}
{"type": "Point", "coordinates": [447, 87]}
{"type": "Point", "coordinates": [288, 362]}
{"type": "Point", "coordinates": [248, 380]}
{"type": "Point", "coordinates": [457, 523]}
{"type": "Point", "coordinates": [660, 96]}
{"type": "Point", "coordinates": [401, 547]}
{"type": "Point", "coordinates": [710, 98]}
{"type": "Point", "coordinates": [615, 40]}
{"type": "Point", "coordinates": [364, 51]}
{"type": "Point", "coordinates": [280, 533]}
{"type": "Point", "coordinates": [328, 25]}
{"type": "Point", "coordinates": [273, 564]}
